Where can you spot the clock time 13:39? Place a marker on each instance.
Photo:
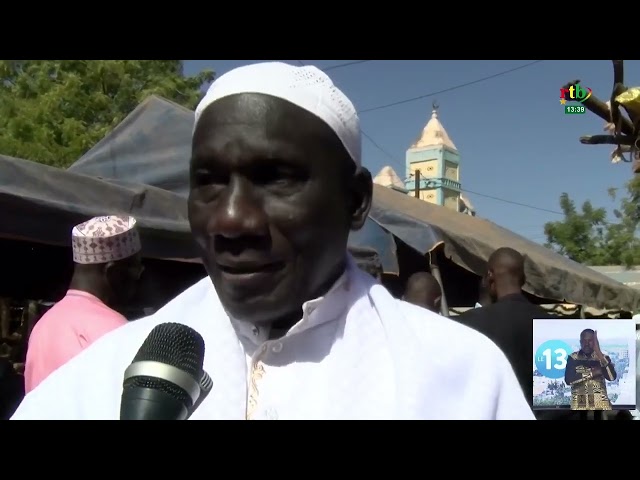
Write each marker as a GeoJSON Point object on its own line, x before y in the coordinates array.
{"type": "Point", "coordinates": [574, 109]}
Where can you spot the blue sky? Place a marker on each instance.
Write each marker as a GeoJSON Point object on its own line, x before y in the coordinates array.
{"type": "Point", "coordinates": [514, 139]}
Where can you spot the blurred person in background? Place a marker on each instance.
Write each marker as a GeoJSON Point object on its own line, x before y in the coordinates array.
{"type": "Point", "coordinates": [424, 291]}
{"type": "Point", "coordinates": [106, 253]}
{"type": "Point", "coordinates": [484, 296]}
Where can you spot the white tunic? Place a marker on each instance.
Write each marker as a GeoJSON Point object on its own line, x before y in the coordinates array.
{"type": "Point", "coordinates": [357, 353]}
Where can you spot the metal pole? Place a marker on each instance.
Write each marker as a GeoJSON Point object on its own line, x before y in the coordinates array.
{"type": "Point", "coordinates": [435, 271]}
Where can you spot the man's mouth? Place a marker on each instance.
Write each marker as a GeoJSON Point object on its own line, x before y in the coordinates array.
{"type": "Point", "coordinates": [249, 276]}
{"type": "Point", "coordinates": [249, 268]}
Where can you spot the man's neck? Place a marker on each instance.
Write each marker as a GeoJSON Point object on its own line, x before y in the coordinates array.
{"type": "Point", "coordinates": [87, 287]}
{"type": "Point", "coordinates": [507, 291]}
{"type": "Point", "coordinates": [281, 326]}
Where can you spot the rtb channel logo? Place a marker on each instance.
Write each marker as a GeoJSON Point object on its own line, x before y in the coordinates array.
{"type": "Point", "coordinates": [575, 93]}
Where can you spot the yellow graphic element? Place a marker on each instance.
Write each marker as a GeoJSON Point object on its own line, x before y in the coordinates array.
{"type": "Point", "coordinates": [630, 99]}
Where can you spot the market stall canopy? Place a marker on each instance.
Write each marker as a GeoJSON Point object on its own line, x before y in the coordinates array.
{"type": "Point", "coordinates": [469, 241]}
{"type": "Point", "coordinates": [152, 146]}
{"type": "Point", "coordinates": [41, 204]}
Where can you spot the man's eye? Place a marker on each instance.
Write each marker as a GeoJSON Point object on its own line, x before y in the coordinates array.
{"type": "Point", "coordinates": [204, 177]}
{"type": "Point", "coordinates": [279, 176]}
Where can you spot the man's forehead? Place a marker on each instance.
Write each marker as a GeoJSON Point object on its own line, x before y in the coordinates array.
{"type": "Point", "coordinates": [255, 109]}
{"type": "Point", "coordinates": [260, 122]}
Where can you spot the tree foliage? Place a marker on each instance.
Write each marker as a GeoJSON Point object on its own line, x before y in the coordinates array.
{"type": "Point", "coordinates": [53, 111]}
{"type": "Point", "coordinates": [587, 236]}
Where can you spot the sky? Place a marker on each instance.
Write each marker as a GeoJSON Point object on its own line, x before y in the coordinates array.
{"type": "Point", "coordinates": [515, 142]}
{"type": "Point", "coordinates": [569, 330]}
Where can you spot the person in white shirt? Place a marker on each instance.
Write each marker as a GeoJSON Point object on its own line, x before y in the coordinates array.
{"type": "Point", "coordinates": [292, 328]}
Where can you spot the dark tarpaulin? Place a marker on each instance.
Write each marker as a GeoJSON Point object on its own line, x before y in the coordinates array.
{"type": "Point", "coordinates": [42, 204]}
{"type": "Point", "coordinates": [469, 241]}
{"type": "Point", "coordinates": [152, 146]}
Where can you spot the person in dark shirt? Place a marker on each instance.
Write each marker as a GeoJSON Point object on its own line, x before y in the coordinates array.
{"type": "Point", "coordinates": [508, 320]}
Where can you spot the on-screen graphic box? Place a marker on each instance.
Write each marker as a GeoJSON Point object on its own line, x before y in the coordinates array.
{"type": "Point", "coordinates": [554, 340]}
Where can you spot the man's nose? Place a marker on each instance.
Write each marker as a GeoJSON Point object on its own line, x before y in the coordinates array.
{"type": "Point", "coordinates": [240, 212]}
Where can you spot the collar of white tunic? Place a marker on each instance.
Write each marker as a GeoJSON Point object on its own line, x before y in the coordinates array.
{"type": "Point", "coordinates": [256, 336]}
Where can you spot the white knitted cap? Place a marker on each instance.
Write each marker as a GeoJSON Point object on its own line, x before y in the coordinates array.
{"type": "Point", "coordinates": [307, 87]}
{"type": "Point", "coordinates": [105, 239]}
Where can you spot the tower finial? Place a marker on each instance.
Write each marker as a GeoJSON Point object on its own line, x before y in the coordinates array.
{"type": "Point", "coordinates": [435, 108]}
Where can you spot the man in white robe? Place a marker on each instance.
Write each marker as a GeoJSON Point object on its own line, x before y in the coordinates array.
{"type": "Point", "coordinates": [292, 328]}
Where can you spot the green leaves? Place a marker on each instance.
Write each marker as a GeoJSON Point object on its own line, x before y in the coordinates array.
{"type": "Point", "coordinates": [587, 237]}
{"type": "Point", "coordinates": [53, 111]}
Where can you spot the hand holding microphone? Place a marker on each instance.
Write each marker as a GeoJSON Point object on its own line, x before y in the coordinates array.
{"type": "Point", "coordinates": [166, 380]}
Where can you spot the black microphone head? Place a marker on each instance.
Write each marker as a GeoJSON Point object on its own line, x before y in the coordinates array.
{"type": "Point", "coordinates": [175, 345]}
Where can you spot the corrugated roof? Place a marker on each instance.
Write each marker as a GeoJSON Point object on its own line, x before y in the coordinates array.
{"type": "Point", "coordinates": [629, 277]}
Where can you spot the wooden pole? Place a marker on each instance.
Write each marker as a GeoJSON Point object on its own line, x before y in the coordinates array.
{"type": "Point", "coordinates": [416, 186]}
{"type": "Point", "coordinates": [435, 271]}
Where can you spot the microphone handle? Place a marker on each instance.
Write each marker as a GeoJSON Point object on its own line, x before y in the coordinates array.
{"type": "Point", "coordinates": [151, 404]}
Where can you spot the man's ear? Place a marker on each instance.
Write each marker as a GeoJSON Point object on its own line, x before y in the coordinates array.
{"type": "Point", "coordinates": [110, 272]}
{"type": "Point", "coordinates": [438, 302]}
{"type": "Point", "coordinates": [362, 196]}
{"type": "Point", "coordinates": [489, 276]}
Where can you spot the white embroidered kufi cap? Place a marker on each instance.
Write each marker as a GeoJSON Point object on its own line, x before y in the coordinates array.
{"type": "Point", "coordinates": [307, 87]}
{"type": "Point", "coordinates": [105, 239]}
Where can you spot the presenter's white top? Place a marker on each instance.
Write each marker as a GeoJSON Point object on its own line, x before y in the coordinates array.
{"type": "Point", "coordinates": [357, 353]}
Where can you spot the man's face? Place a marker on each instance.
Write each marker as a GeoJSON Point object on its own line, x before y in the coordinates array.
{"type": "Point", "coordinates": [123, 277]}
{"type": "Point", "coordinates": [586, 342]}
{"type": "Point", "coordinates": [271, 204]}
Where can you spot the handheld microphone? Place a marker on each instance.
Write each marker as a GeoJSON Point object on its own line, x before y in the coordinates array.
{"type": "Point", "coordinates": [166, 380]}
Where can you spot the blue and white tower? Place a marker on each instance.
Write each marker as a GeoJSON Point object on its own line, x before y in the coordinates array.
{"type": "Point", "coordinates": [436, 157]}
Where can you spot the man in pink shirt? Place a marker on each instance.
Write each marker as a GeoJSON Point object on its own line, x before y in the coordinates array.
{"type": "Point", "coordinates": [106, 253]}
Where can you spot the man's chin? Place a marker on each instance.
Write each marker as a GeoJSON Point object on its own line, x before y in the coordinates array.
{"type": "Point", "coordinates": [254, 310]}
{"type": "Point", "coordinates": [251, 305]}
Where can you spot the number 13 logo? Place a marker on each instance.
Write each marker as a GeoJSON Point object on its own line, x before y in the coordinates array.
{"type": "Point", "coordinates": [551, 358]}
